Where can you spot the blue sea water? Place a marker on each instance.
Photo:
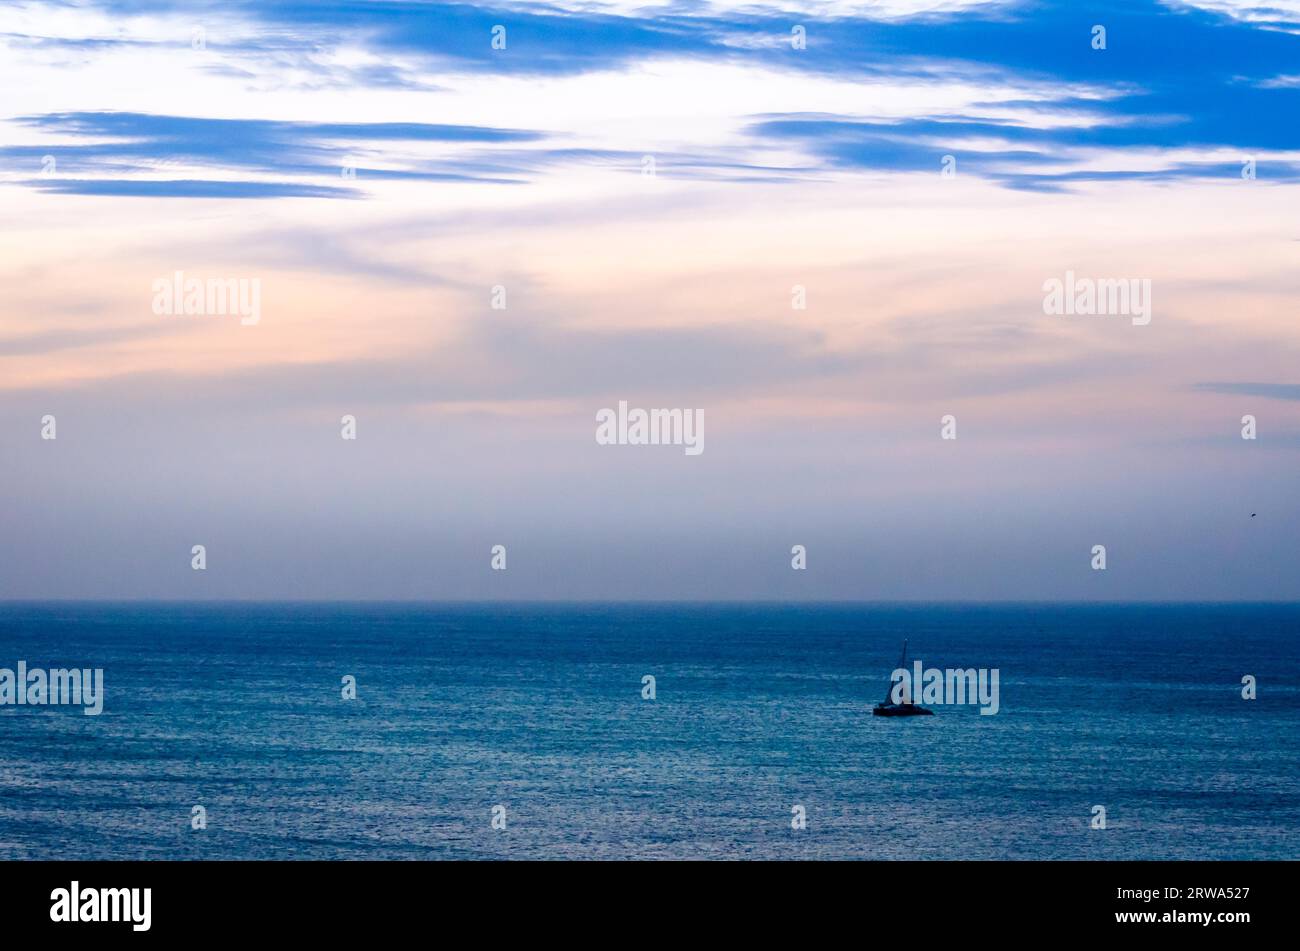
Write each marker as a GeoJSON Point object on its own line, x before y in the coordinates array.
{"type": "Point", "coordinates": [759, 708]}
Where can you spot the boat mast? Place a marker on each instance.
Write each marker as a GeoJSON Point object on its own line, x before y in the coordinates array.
{"type": "Point", "coordinates": [889, 681]}
{"type": "Point", "coordinates": [903, 664]}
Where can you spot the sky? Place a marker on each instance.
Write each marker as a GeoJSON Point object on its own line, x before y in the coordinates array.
{"type": "Point", "coordinates": [823, 226]}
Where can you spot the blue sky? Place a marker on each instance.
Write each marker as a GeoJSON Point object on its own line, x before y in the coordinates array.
{"type": "Point", "coordinates": [1172, 76]}
{"type": "Point", "coordinates": [650, 183]}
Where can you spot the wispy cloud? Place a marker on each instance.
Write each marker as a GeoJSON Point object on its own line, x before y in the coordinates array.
{"type": "Point", "coordinates": [186, 188]}
{"type": "Point", "coordinates": [1131, 111]}
{"type": "Point", "coordinates": [1273, 391]}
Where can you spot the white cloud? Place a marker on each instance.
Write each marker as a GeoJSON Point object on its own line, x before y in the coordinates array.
{"type": "Point", "coordinates": [1273, 11]}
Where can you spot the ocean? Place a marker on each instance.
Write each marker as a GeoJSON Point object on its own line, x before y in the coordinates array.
{"type": "Point", "coordinates": [533, 714]}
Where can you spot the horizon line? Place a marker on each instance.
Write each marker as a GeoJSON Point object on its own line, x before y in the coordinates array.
{"type": "Point", "coordinates": [653, 601]}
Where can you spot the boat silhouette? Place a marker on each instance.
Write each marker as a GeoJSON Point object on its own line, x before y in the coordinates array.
{"type": "Point", "coordinates": [887, 707]}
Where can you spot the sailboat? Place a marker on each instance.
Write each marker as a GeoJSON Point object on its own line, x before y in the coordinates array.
{"type": "Point", "coordinates": [887, 707]}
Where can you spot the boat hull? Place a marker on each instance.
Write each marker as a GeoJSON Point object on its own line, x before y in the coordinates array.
{"type": "Point", "coordinates": [900, 710]}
